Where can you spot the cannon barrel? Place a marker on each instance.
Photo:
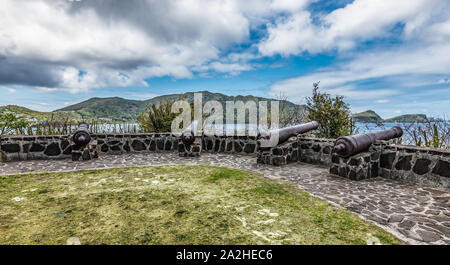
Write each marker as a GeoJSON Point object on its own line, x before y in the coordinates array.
{"type": "Point", "coordinates": [275, 137]}
{"type": "Point", "coordinates": [82, 136]}
{"type": "Point", "coordinates": [349, 145]}
{"type": "Point", "coordinates": [188, 135]}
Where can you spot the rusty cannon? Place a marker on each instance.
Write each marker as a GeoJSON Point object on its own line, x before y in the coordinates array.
{"type": "Point", "coordinates": [188, 135]}
{"type": "Point", "coordinates": [267, 139]}
{"type": "Point", "coordinates": [82, 136]}
{"type": "Point", "coordinates": [346, 146]}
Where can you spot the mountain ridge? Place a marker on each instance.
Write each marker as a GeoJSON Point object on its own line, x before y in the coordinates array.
{"type": "Point", "coordinates": [121, 109]}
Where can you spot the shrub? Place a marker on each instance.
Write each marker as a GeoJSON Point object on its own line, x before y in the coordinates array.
{"type": "Point", "coordinates": [9, 122]}
{"type": "Point", "coordinates": [157, 118]}
{"type": "Point", "coordinates": [332, 113]}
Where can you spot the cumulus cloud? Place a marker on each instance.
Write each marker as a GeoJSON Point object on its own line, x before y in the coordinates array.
{"type": "Point", "coordinates": [78, 45]}
{"type": "Point", "coordinates": [344, 28]}
{"type": "Point", "coordinates": [421, 29]}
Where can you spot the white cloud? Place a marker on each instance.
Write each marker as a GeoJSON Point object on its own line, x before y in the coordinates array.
{"type": "Point", "coordinates": [345, 27]}
{"type": "Point", "coordinates": [79, 45]}
{"type": "Point", "coordinates": [420, 56]}
{"type": "Point", "coordinates": [382, 101]}
{"type": "Point", "coordinates": [86, 44]}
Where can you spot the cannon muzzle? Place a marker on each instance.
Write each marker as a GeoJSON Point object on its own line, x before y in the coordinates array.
{"type": "Point", "coordinates": [82, 136]}
{"type": "Point", "coordinates": [267, 139]}
{"type": "Point", "coordinates": [350, 145]}
{"type": "Point", "coordinates": [188, 135]}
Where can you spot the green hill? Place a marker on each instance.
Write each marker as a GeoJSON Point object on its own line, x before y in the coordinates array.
{"type": "Point", "coordinates": [38, 115]}
{"type": "Point", "coordinates": [115, 108]}
{"type": "Point", "coordinates": [408, 118]}
{"type": "Point", "coordinates": [368, 116]}
{"type": "Point", "coordinates": [120, 109]}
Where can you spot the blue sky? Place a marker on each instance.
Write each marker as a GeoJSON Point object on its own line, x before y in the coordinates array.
{"type": "Point", "coordinates": [388, 56]}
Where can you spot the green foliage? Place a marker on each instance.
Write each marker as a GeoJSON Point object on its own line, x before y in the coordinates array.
{"type": "Point", "coordinates": [10, 122]}
{"type": "Point", "coordinates": [434, 141]}
{"type": "Point", "coordinates": [333, 114]}
{"type": "Point", "coordinates": [430, 134]}
{"type": "Point", "coordinates": [157, 118]}
{"type": "Point", "coordinates": [368, 116]}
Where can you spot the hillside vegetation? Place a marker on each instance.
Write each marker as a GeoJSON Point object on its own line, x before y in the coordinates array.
{"type": "Point", "coordinates": [370, 116]}
{"type": "Point", "coordinates": [120, 109]}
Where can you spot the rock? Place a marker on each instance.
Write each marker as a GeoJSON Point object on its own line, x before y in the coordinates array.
{"type": "Point", "coordinates": [404, 163]}
{"type": "Point", "coordinates": [52, 150]}
{"type": "Point", "coordinates": [428, 236]}
{"type": "Point", "coordinates": [237, 147]}
{"type": "Point", "coordinates": [160, 144]}
{"type": "Point", "coordinates": [316, 148]}
{"type": "Point", "coordinates": [181, 148]}
{"type": "Point", "coordinates": [249, 148]}
{"type": "Point", "coordinates": [395, 218]}
{"type": "Point", "coordinates": [168, 145]}
{"type": "Point", "coordinates": [152, 146]}
{"type": "Point", "coordinates": [421, 166]}
{"type": "Point", "coordinates": [444, 230]}
{"type": "Point", "coordinates": [104, 148]}
{"type": "Point", "coordinates": [387, 159]}
{"type": "Point", "coordinates": [442, 168]}
{"type": "Point", "coordinates": [126, 147]}
{"type": "Point", "coordinates": [229, 146]}
{"type": "Point", "coordinates": [407, 224]}
{"type": "Point", "coordinates": [11, 148]}
{"type": "Point", "coordinates": [279, 160]}
{"type": "Point", "coordinates": [138, 145]}
{"type": "Point", "coordinates": [216, 145]}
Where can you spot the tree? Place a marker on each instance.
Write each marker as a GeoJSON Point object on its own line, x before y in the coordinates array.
{"type": "Point", "coordinates": [158, 118]}
{"type": "Point", "coordinates": [332, 113]}
{"type": "Point", "coordinates": [289, 115]}
{"type": "Point", "coordinates": [10, 122]}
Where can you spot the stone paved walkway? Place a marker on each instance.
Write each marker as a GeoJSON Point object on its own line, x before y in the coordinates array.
{"type": "Point", "coordinates": [416, 214]}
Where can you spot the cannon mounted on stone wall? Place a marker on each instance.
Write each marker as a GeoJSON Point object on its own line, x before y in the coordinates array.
{"type": "Point", "coordinates": [346, 146]}
{"type": "Point", "coordinates": [82, 136]}
{"type": "Point", "coordinates": [188, 135]}
{"type": "Point", "coordinates": [271, 138]}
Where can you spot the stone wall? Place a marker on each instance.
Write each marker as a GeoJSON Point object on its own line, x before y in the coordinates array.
{"type": "Point", "coordinates": [279, 155]}
{"type": "Point", "coordinates": [418, 165]}
{"type": "Point", "coordinates": [15, 148]}
{"type": "Point", "coordinates": [304, 149]}
{"type": "Point", "coordinates": [412, 164]}
{"type": "Point", "coordinates": [142, 142]}
{"type": "Point", "coordinates": [361, 166]}
{"type": "Point", "coordinates": [230, 144]}
{"type": "Point", "coordinates": [315, 150]}
{"type": "Point", "coordinates": [34, 147]}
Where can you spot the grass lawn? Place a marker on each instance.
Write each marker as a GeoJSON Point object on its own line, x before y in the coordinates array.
{"type": "Point", "coordinates": [171, 205]}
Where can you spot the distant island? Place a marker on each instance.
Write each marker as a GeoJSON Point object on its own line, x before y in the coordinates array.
{"type": "Point", "coordinates": [116, 109]}
{"type": "Point", "coordinates": [370, 116]}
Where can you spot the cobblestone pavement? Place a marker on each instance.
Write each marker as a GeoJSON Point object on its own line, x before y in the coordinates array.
{"type": "Point", "coordinates": [416, 214]}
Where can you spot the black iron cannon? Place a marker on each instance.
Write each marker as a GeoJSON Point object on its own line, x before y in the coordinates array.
{"type": "Point", "coordinates": [350, 145]}
{"type": "Point", "coordinates": [188, 135]}
{"type": "Point", "coordinates": [267, 139]}
{"type": "Point", "coordinates": [82, 136]}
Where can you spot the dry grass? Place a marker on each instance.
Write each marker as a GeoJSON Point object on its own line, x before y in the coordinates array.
{"type": "Point", "coordinates": [170, 205]}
